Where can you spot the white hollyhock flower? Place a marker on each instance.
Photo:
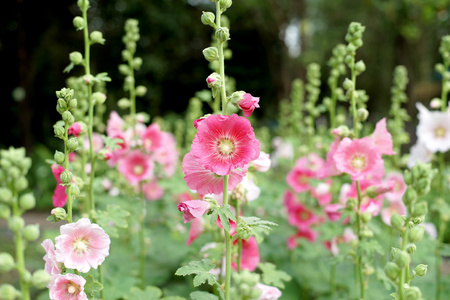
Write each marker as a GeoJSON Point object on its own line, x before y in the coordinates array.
{"type": "Point", "coordinates": [433, 129]}
{"type": "Point", "coordinates": [419, 153]}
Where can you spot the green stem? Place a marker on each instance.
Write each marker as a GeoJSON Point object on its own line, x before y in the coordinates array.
{"type": "Point", "coordinates": [332, 109]}
{"type": "Point", "coordinates": [359, 256]}
{"type": "Point", "coordinates": [132, 96]}
{"type": "Point", "coordinates": [100, 279]}
{"type": "Point", "coordinates": [142, 237]}
{"type": "Point", "coordinates": [66, 167]}
{"type": "Point", "coordinates": [353, 100]}
{"type": "Point", "coordinates": [404, 274]}
{"type": "Point", "coordinates": [227, 244]}
{"type": "Point", "coordinates": [238, 204]}
{"type": "Point", "coordinates": [221, 62]}
{"type": "Point", "coordinates": [441, 234]}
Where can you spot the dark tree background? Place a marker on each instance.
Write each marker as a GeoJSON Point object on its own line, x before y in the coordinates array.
{"type": "Point", "coordinates": [36, 39]}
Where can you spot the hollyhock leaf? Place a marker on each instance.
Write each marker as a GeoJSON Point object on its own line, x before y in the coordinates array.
{"type": "Point", "coordinates": [112, 143]}
{"type": "Point", "coordinates": [272, 276]}
{"type": "Point", "coordinates": [253, 226]}
{"type": "Point", "coordinates": [150, 293]}
{"type": "Point", "coordinates": [198, 295]}
{"type": "Point", "coordinates": [201, 270]}
{"type": "Point", "coordinates": [173, 298]}
{"type": "Point", "coordinates": [92, 287]}
{"type": "Point", "coordinates": [114, 216]}
{"type": "Point", "coordinates": [224, 213]}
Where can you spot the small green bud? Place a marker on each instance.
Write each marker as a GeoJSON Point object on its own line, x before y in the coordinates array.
{"type": "Point", "coordinates": [59, 131]}
{"type": "Point", "coordinates": [126, 55]}
{"type": "Point", "coordinates": [16, 224]}
{"type": "Point", "coordinates": [27, 201]}
{"type": "Point", "coordinates": [97, 37]}
{"type": "Point", "coordinates": [224, 4]}
{"type": "Point", "coordinates": [68, 117]}
{"type": "Point", "coordinates": [392, 271]}
{"type": "Point", "coordinates": [211, 54]}
{"type": "Point", "coordinates": [123, 103]}
{"type": "Point", "coordinates": [26, 276]}
{"type": "Point", "coordinates": [214, 81]}
{"type": "Point", "coordinates": [223, 34]}
{"type": "Point", "coordinates": [124, 69]}
{"type": "Point", "coordinates": [360, 66]}
{"type": "Point", "coordinates": [366, 233]}
{"type": "Point", "coordinates": [416, 234]}
{"type": "Point", "coordinates": [5, 211]}
{"type": "Point", "coordinates": [105, 154]}
{"type": "Point", "coordinates": [366, 217]}
{"type": "Point", "coordinates": [99, 98]}
{"type": "Point", "coordinates": [76, 58]}
{"type": "Point", "coordinates": [73, 103]}
{"type": "Point", "coordinates": [412, 293]}
{"type": "Point", "coordinates": [409, 196]}
{"type": "Point", "coordinates": [137, 63]}
{"type": "Point", "coordinates": [8, 292]}
{"type": "Point", "coordinates": [5, 195]}
{"type": "Point", "coordinates": [421, 270]}
{"type": "Point", "coordinates": [397, 221]}
{"type": "Point", "coordinates": [407, 177]}
{"type": "Point", "coordinates": [402, 259]}
{"type": "Point", "coordinates": [20, 183]}
{"type": "Point", "coordinates": [61, 105]}
{"type": "Point", "coordinates": [74, 190]}
{"type": "Point", "coordinates": [40, 279]}
{"type": "Point", "coordinates": [420, 209]}
{"type": "Point", "coordinates": [14, 172]}
{"type": "Point", "coordinates": [411, 248]}
{"type": "Point", "coordinates": [31, 232]}
{"type": "Point", "coordinates": [362, 114]}
{"type": "Point", "coordinates": [418, 220]}
{"type": "Point", "coordinates": [80, 3]}
{"type": "Point", "coordinates": [208, 19]}
{"type": "Point", "coordinates": [347, 84]}
{"type": "Point", "coordinates": [423, 186]}
{"type": "Point", "coordinates": [59, 213]}
{"type": "Point", "coordinates": [236, 97]}
{"type": "Point", "coordinates": [351, 203]}
{"type": "Point", "coordinates": [79, 23]}
{"type": "Point", "coordinates": [66, 177]}
{"type": "Point", "coordinates": [351, 49]}
{"type": "Point", "coordinates": [6, 262]}
{"type": "Point", "coordinates": [59, 157]}
{"type": "Point", "coordinates": [141, 91]}
{"type": "Point", "coordinates": [72, 144]}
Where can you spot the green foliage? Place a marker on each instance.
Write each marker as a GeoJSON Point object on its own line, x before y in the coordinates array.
{"type": "Point", "coordinates": [150, 293]}
{"type": "Point", "coordinates": [201, 270]}
{"type": "Point", "coordinates": [253, 226]}
{"type": "Point", "coordinates": [199, 295]}
{"type": "Point", "coordinates": [224, 213]}
{"type": "Point", "coordinates": [114, 217]}
{"type": "Point", "coordinates": [272, 276]}
{"type": "Point", "coordinates": [92, 287]}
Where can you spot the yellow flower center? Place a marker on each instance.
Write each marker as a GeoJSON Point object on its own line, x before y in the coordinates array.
{"type": "Point", "coordinates": [73, 288]}
{"type": "Point", "coordinates": [138, 169]}
{"type": "Point", "coordinates": [304, 216]}
{"type": "Point", "coordinates": [358, 162]}
{"type": "Point", "coordinates": [226, 147]}
{"type": "Point", "coordinates": [439, 132]}
{"type": "Point", "coordinates": [80, 245]}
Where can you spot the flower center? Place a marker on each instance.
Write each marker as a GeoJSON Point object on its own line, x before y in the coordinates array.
{"type": "Point", "coordinates": [226, 147]}
{"type": "Point", "coordinates": [358, 162]}
{"type": "Point", "coordinates": [138, 169]}
{"type": "Point", "coordinates": [439, 132]}
{"type": "Point", "coordinates": [304, 216]}
{"type": "Point", "coordinates": [73, 288]}
{"type": "Point", "coordinates": [80, 245]}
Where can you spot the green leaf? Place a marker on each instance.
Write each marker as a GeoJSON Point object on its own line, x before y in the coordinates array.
{"type": "Point", "coordinates": [224, 213]}
{"type": "Point", "coordinates": [253, 226]}
{"type": "Point", "coordinates": [150, 293]}
{"type": "Point", "coordinates": [272, 276]}
{"type": "Point", "coordinates": [92, 287]}
{"type": "Point", "coordinates": [445, 250]}
{"type": "Point", "coordinates": [112, 143]}
{"type": "Point", "coordinates": [102, 77]}
{"type": "Point", "coordinates": [114, 216]}
{"type": "Point", "coordinates": [203, 296]}
{"type": "Point", "coordinates": [69, 68]}
{"type": "Point", "coordinates": [201, 270]}
{"type": "Point", "coordinates": [173, 298]}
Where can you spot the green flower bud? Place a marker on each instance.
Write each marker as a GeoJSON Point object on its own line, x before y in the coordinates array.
{"type": "Point", "coordinates": [72, 144]}
{"type": "Point", "coordinates": [20, 183]}
{"type": "Point", "coordinates": [360, 66]}
{"type": "Point", "coordinates": [397, 221]}
{"type": "Point", "coordinates": [80, 3]}
{"type": "Point", "coordinates": [409, 196]}
{"type": "Point", "coordinates": [366, 217]}
{"type": "Point", "coordinates": [59, 131]}
{"type": "Point", "coordinates": [351, 49]}
{"type": "Point", "coordinates": [211, 54]}
{"type": "Point", "coordinates": [126, 55]}
{"type": "Point", "coordinates": [214, 81]}
{"type": "Point", "coordinates": [423, 186]}
{"type": "Point", "coordinates": [124, 69]}
{"type": "Point", "coordinates": [27, 201]}
{"type": "Point", "coordinates": [8, 292]}
{"type": "Point", "coordinates": [224, 4]}
{"type": "Point", "coordinates": [347, 84]}
{"type": "Point", "coordinates": [79, 23]}
{"type": "Point", "coordinates": [68, 117]}
{"type": "Point", "coordinates": [40, 279]}
{"type": "Point", "coordinates": [421, 270]}
{"type": "Point", "coordinates": [5, 195]}
{"type": "Point", "coordinates": [76, 58]}
{"type": "Point", "coordinates": [223, 34]}
{"type": "Point", "coordinates": [62, 104]}
{"type": "Point", "coordinates": [416, 234]}
{"type": "Point", "coordinates": [73, 103]}
{"type": "Point", "coordinates": [208, 19]}
{"type": "Point", "coordinates": [123, 103]}
{"type": "Point", "coordinates": [26, 276]}
{"type": "Point", "coordinates": [407, 177]}
{"type": "Point", "coordinates": [59, 213]}
{"type": "Point", "coordinates": [14, 172]}
{"type": "Point", "coordinates": [402, 259]}
{"type": "Point", "coordinates": [141, 91]}
{"type": "Point", "coordinates": [59, 157]}
{"type": "Point", "coordinates": [411, 248]}
{"type": "Point", "coordinates": [16, 224]}
{"type": "Point", "coordinates": [351, 204]}
{"type": "Point", "coordinates": [74, 190]}
{"type": "Point", "coordinates": [137, 63]}
{"type": "Point", "coordinates": [6, 262]}
{"type": "Point", "coordinates": [99, 98]}
{"type": "Point", "coordinates": [392, 271]}
{"type": "Point", "coordinates": [413, 293]}
{"type": "Point", "coordinates": [66, 177]}
{"type": "Point", "coordinates": [31, 232]}
{"type": "Point", "coordinates": [420, 209]}
{"type": "Point", "coordinates": [97, 37]}
{"type": "Point", "coordinates": [5, 211]}
{"type": "Point", "coordinates": [236, 97]}
{"type": "Point", "coordinates": [418, 220]}
{"type": "Point", "coordinates": [362, 114]}
{"type": "Point", "coordinates": [366, 233]}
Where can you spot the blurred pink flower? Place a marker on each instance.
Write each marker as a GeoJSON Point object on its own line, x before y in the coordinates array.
{"type": "Point", "coordinates": [51, 264]}
{"type": "Point", "coordinates": [115, 125]}
{"type": "Point", "coordinates": [82, 245]}
{"type": "Point", "coordinates": [136, 166]}
{"type": "Point", "coordinates": [68, 287]}
{"type": "Point", "coordinates": [225, 143]}
{"type": "Point", "coordinates": [97, 142]}
{"type": "Point", "coordinates": [152, 138]}
{"type": "Point", "coordinates": [372, 205]}
{"type": "Point", "coordinates": [152, 191]}
{"type": "Point", "coordinates": [398, 186]}
{"type": "Point", "coordinates": [249, 256]}
{"type": "Point", "coordinates": [262, 163]}
{"type": "Point", "coordinates": [167, 154]}
{"type": "Point", "coordinates": [332, 211]}
{"type": "Point", "coordinates": [322, 192]}
{"type": "Point", "coordinates": [195, 230]}
{"type": "Point", "coordinates": [248, 103]}
{"type": "Point", "coordinates": [268, 292]}
{"type": "Point", "coordinates": [59, 194]}
{"type": "Point", "coordinates": [298, 214]}
{"type": "Point", "coordinates": [382, 138]}
{"type": "Point", "coordinates": [304, 171]}
{"type": "Point", "coordinates": [193, 209]}
{"type": "Point", "coordinates": [305, 233]}
{"type": "Point", "coordinates": [75, 129]}
{"type": "Point", "coordinates": [329, 167]}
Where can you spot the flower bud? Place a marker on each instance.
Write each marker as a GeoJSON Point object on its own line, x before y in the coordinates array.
{"type": "Point", "coordinates": [105, 154]}
{"type": "Point", "coordinates": [208, 19]}
{"type": "Point", "coordinates": [222, 34]}
{"type": "Point", "coordinates": [68, 117]}
{"type": "Point", "coordinates": [5, 211]}
{"type": "Point", "coordinates": [402, 259]}
{"type": "Point", "coordinates": [72, 144]}
{"type": "Point", "coordinates": [16, 224]}
{"type": "Point", "coordinates": [6, 262]}
{"type": "Point", "coordinates": [214, 81]}
{"type": "Point", "coordinates": [396, 221]}
{"type": "Point", "coordinates": [59, 213]}
{"type": "Point", "coordinates": [59, 131]}
{"type": "Point", "coordinates": [40, 279]}
{"type": "Point", "coordinates": [66, 177]}
{"type": "Point", "coordinates": [392, 271]}
{"type": "Point", "coordinates": [366, 233]}
{"type": "Point", "coordinates": [347, 84]}
{"type": "Point", "coordinates": [80, 3]}
{"type": "Point", "coordinates": [141, 91]}
{"type": "Point", "coordinates": [126, 55]}
{"type": "Point", "coordinates": [416, 234]}
{"type": "Point", "coordinates": [99, 98]}
{"type": "Point", "coordinates": [8, 292]}
{"type": "Point", "coordinates": [411, 248]}
{"type": "Point", "coordinates": [409, 196]}
{"type": "Point", "coordinates": [20, 183]}
{"type": "Point", "coordinates": [137, 63]}
{"type": "Point", "coordinates": [96, 37]}
{"type": "Point", "coordinates": [420, 209]}
{"type": "Point", "coordinates": [5, 195]}
{"type": "Point", "coordinates": [59, 157]}
{"type": "Point", "coordinates": [124, 69]}
{"type": "Point", "coordinates": [362, 114]}
{"type": "Point", "coordinates": [14, 172]}
{"type": "Point", "coordinates": [413, 293]}
{"type": "Point", "coordinates": [423, 186]}
{"type": "Point", "coordinates": [366, 217]}
{"type": "Point", "coordinates": [61, 105]}
{"type": "Point", "coordinates": [421, 270]}
{"type": "Point", "coordinates": [31, 232]}
{"type": "Point", "coordinates": [27, 201]}
{"type": "Point", "coordinates": [224, 4]}
{"type": "Point", "coordinates": [79, 23]}
{"type": "Point", "coordinates": [360, 66]}
{"type": "Point", "coordinates": [74, 190]}
{"type": "Point", "coordinates": [351, 203]}
{"type": "Point", "coordinates": [407, 177]}
{"type": "Point", "coordinates": [351, 49]}
{"type": "Point", "coordinates": [211, 54]}
{"type": "Point", "coordinates": [76, 57]}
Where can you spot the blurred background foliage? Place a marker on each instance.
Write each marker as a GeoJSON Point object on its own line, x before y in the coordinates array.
{"type": "Point", "coordinates": [272, 42]}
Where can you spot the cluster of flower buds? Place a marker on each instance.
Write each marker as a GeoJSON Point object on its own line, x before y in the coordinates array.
{"type": "Point", "coordinates": [245, 285]}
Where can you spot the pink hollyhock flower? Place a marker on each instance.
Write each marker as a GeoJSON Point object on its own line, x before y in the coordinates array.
{"type": "Point", "coordinates": [349, 235]}
{"type": "Point", "coordinates": [332, 211]}
{"type": "Point", "coordinates": [372, 205]}
{"type": "Point", "coordinates": [357, 157]}
{"type": "Point", "coordinates": [59, 194]}
{"type": "Point", "coordinates": [167, 155]}
{"type": "Point", "coordinates": [268, 292]}
{"type": "Point", "coordinates": [82, 245]}
{"type": "Point", "coordinates": [68, 287]}
{"type": "Point", "coordinates": [115, 125]}
{"type": "Point", "coordinates": [206, 182]}
{"type": "Point", "coordinates": [433, 130]}
{"type": "Point", "coordinates": [193, 209]}
{"type": "Point", "coordinates": [152, 191]}
{"type": "Point", "coordinates": [152, 138]}
{"type": "Point", "coordinates": [419, 153]}
{"type": "Point", "coordinates": [398, 184]}
{"type": "Point", "coordinates": [248, 103]}
{"type": "Point", "coordinates": [394, 207]}
{"type": "Point", "coordinates": [195, 230]}
{"type": "Point", "coordinates": [75, 129]}
{"type": "Point", "coordinates": [298, 214]}
{"type": "Point", "coordinates": [249, 256]}
{"type": "Point", "coordinates": [185, 196]}
{"type": "Point", "coordinates": [299, 177]}
{"type": "Point", "coordinates": [72, 156]}
{"type": "Point", "coordinates": [305, 233]}
{"type": "Point", "coordinates": [322, 193]}
{"type": "Point", "coordinates": [382, 138]}
{"type": "Point", "coordinates": [97, 142]}
{"type": "Point", "coordinates": [136, 167]}
{"type": "Point", "coordinates": [51, 264]}
{"type": "Point", "coordinates": [262, 163]}
{"type": "Point", "coordinates": [329, 167]}
{"type": "Point", "coordinates": [224, 143]}
{"type": "Point", "coordinates": [332, 246]}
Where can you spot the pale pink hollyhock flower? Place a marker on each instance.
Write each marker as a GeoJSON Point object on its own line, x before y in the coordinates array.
{"type": "Point", "coordinates": [82, 245]}
{"type": "Point", "coordinates": [304, 170]}
{"type": "Point", "coordinates": [195, 230]}
{"type": "Point", "coordinates": [206, 182]}
{"type": "Point", "coordinates": [152, 191]}
{"type": "Point", "coordinates": [249, 255]}
{"type": "Point", "coordinates": [59, 194]}
{"type": "Point", "coordinates": [322, 192]}
{"type": "Point", "coordinates": [349, 235]}
{"type": "Point", "coordinates": [262, 163]}
{"type": "Point", "coordinates": [430, 229]}
{"type": "Point", "coordinates": [382, 138]}
{"type": "Point", "coordinates": [167, 154]}
{"type": "Point", "coordinates": [115, 126]}
{"type": "Point", "coordinates": [68, 287]}
{"type": "Point", "coordinates": [51, 264]}
{"type": "Point", "coordinates": [399, 186]}
{"type": "Point", "coordinates": [252, 191]}
{"type": "Point", "coordinates": [248, 103]}
{"type": "Point", "coordinates": [136, 167]}
{"type": "Point", "coordinates": [97, 142]}
{"type": "Point", "coordinates": [152, 138]}
{"type": "Point", "coordinates": [75, 129]}
{"type": "Point", "coordinates": [193, 209]}
{"type": "Point", "coordinates": [224, 143]}
{"type": "Point", "coordinates": [357, 157]}
{"type": "Point", "coordinates": [419, 153]}
{"type": "Point", "coordinates": [433, 130]}
{"type": "Point", "coordinates": [394, 207]}
{"type": "Point", "coordinates": [372, 205]}
{"type": "Point", "coordinates": [332, 246]}
{"type": "Point", "coordinates": [329, 167]}
{"type": "Point", "coordinates": [305, 233]}
{"type": "Point", "coordinates": [268, 292]}
{"type": "Point", "coordinates": [298, 214]}
{"type": "Point", "coordinates": [332, 211]}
